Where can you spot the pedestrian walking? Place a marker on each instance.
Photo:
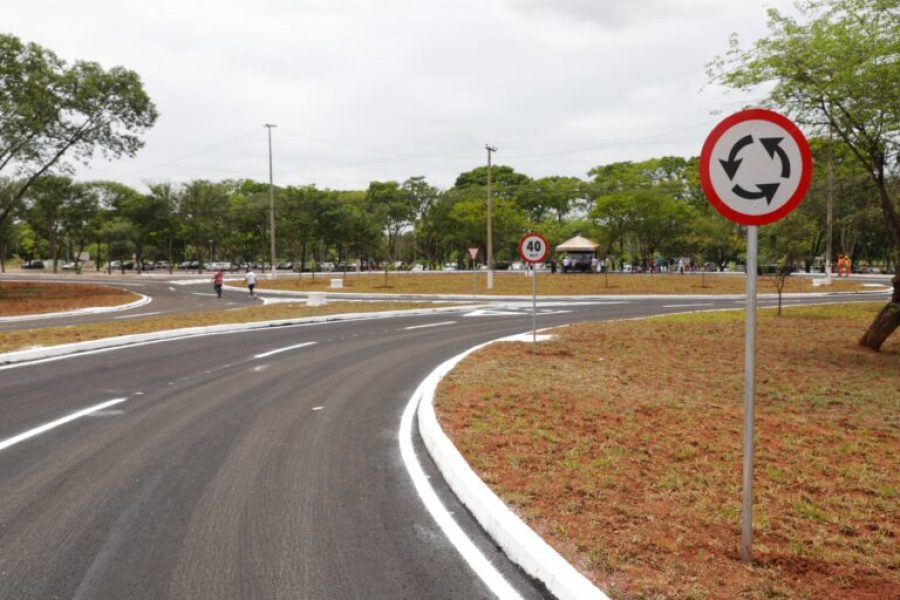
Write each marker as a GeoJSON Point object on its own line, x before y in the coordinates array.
{"type": "Point", "coordinates": [847, 264]}
{"type": "Point", "coordinates": [250, 278]}
{"type": "Point", "coordinates": [218, 278]}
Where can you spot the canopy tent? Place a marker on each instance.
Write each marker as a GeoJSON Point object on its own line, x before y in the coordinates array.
{"type": "Point", "coordinates": [578, 244]}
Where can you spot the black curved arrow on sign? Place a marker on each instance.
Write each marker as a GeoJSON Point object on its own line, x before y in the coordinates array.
{"type": "Point", "coordinates": [731, 165]}
{"type": "Point", "coordinates": [772, 145]}
{"type": "Point", "coordinates": [766, 190]}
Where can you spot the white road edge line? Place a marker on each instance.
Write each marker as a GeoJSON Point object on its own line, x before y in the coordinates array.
{"type": "Point", "coordinates": [688, 305]}
{"type": "Point", "coordinates": [479, 563]}
{"type": "Point", "coordinates": [518, 541]}
{"type": "Point", "coordinates": [280, 350]}
{"type": "Point", "coordinates": [146, 314]}
{"type": "Point", "coordinates": [430, 325]}
{"type": "Point", "coordinates": [4, 444]}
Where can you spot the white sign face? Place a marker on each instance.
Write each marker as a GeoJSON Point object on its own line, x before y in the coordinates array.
{"type": "Point", "coordinates": [473, 253]}
{"type": "Point", "coordinates": [755, 167]}
{"type": "Point", "coordinates": [533, 248]}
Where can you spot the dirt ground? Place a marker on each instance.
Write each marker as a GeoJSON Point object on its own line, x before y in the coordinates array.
{"type": "Point", "coordinates": [621, 444]}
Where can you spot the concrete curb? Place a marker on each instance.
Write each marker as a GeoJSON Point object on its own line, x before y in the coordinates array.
{"type": "Point", "coordinates": [518, 541]}
{"type": "Point", "coordinates": [17, 357]}
{"type": "Point", "coordinates": [339, 295]}
{"type": "Point", "coordinates": [82, 311]}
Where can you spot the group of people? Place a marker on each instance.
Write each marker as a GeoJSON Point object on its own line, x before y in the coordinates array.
{"type": "Point", "coordinates": [219, 279]}
{"type": "Point", "coordinates": [581, 264]}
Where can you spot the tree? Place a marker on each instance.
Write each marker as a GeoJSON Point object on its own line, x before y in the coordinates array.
{"type": "Point", "coordinates": [395, 210]}
{"type": "Point", "coordinates": [49, 110]}
{"type": "Point", "coordinates": [80, 218]}
{"type": "Point", "coordinates": [839, 71]}
{"type": "Point", "coordinates": [202, 211]}
{"type": "Point", "coordinates": [647, 202]}
{"type": "Point", "coordinates": [551, 194]}
{"type": "Point", "coordinates": [47, 201]}
{"type": "Point", "coordinates": [505, 182]}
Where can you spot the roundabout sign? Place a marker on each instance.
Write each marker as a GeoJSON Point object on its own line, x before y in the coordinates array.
{"type": "Point", "coordinates": [755, 167]}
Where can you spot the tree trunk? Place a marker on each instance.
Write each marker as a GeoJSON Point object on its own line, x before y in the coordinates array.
{"type": "Point", "coordinates": [887, 321]}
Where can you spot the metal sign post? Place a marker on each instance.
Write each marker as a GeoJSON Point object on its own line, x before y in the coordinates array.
{"type": "Point", "coordinates": [755, 168]}
{"type": "Point", "coordinates": [749, 395]}
{"type": "Point", "coordinates": [473, 254]}
{"type": "Point", "coordinates": [533, 306]}
{"type": "Point", "coordinates": [534, 249]}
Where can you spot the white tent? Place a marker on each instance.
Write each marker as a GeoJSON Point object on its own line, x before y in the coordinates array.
{"type": "Point", "coordinates": [578, 244]}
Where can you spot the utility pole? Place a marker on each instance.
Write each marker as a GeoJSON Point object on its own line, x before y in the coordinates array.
{"type": "Point", "coordinates": [829, 218]}
{"type": "Point", "coordinates": [490, 235]}
{"type": "Point", "coordinates": [269, 126]}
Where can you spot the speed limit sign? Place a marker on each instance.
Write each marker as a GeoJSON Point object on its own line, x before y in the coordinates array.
{"type": "Point", "coordinates": [534, 248]}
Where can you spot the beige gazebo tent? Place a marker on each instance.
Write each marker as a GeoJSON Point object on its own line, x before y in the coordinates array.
{"type": "Point", "coordinates": [578, 244]}
{"type": "Point", "coordinates": [579, 251]}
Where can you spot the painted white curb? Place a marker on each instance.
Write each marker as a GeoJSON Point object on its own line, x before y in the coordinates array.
{"type": "Point", "coordinates": [50, 352]}
{"type": "Point", "coordinates": [82, 311]}
{"type": "Point", "coordinates": [518, 541]}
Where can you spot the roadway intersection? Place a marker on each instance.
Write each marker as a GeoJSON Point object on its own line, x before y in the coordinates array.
{"type": "Point", "coordinates": [258, 464]}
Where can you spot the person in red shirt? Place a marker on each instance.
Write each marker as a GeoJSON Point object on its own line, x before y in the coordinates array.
{"type": "Point", "coordinates": [217, 282]}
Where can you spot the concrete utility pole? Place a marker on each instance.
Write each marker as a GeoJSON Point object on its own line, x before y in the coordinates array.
{"type": "Point", "coordinates": [829, 217]}
{"type": "Point", "coordinates": [490, 233]}
{"type": "Point", "coordinates": [269, 126]}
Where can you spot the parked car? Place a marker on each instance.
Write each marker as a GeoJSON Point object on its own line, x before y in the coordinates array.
{"type": "Point", "coordinates": [161, 264]}
{"type": "Point", "coordinates": [33, 264]}
{"type": "Point", "coordinates": [69, 266]}
{"type": "Point", "coordinates": [285, 266]}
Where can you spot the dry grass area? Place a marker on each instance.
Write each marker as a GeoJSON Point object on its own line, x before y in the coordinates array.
{"type": "Point", "coordinates": [621, 444]}
{"type": "Point", "coordinates": [51, 336]}
{"type": "Point", "coordinates": [508, 283]}
{"type": "Point", "coordinates": [26, 298]}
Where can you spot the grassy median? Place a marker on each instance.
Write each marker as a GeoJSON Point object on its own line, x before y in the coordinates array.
{"type": "Point", "coordinates": [621, 444]}
{"type": "Point", "coordinates": [573, 284]}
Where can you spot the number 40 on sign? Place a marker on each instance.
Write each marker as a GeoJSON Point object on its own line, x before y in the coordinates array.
{"type": "Point", "coordinates": [533, 248]}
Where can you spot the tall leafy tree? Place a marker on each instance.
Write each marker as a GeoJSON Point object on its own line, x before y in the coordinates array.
{"type": "Point", "coordinates": [395, 209]}
{"type": "Point", "coordinates": [551, 195]}
{"type": "Point", "coordinates": [202, 212]}
{"type": "Point", "coordinates": [837, 71]}
{"type": "Point", "coordinates": [50, 110]}
{"type": "Point", "coordinates": [46, 205]}
{"type": "Point", "coordinates": [648, 204]}
{"type": "Point", "coordinates": [80, 218]}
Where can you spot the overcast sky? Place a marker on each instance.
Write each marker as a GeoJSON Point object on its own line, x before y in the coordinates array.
{"type": "Point", "coordinates": [387, 89]}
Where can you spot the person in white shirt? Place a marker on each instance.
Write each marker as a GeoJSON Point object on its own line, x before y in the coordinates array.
{"type": "Point", "coordinates": [250, 278]}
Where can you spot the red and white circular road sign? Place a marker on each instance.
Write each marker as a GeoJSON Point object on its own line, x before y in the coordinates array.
{"type": "Point", "coordinates": [755, 167]}
{"type": "Point", "coordinates": [534, 248]}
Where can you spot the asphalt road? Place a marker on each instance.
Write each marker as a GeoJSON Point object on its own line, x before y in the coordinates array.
{"type": "Point", "coordinates": [174, 294]}
{"type": "Point", "coordinates": [263, 464]}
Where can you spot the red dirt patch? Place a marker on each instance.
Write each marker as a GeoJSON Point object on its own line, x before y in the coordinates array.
{"type": "Point", "coordinates": [621, 444]}
{"type": "Point", "coordinates": [25, 298]}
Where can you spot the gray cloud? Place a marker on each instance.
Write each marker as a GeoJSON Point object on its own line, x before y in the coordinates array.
{"type": "Point", "coordinates": [388, 89]}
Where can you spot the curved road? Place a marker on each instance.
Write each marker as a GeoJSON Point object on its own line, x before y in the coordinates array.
{"type": "Point", "coordinates": [263, 464]}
